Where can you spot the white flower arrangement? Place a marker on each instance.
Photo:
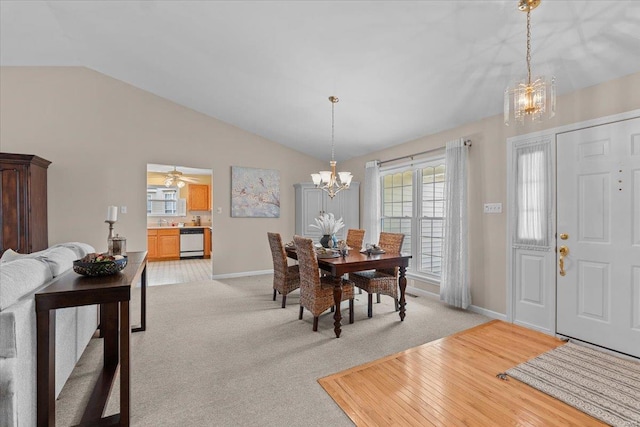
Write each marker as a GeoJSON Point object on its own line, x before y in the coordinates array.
{"type": "Point", "coordinates": [327, 224]}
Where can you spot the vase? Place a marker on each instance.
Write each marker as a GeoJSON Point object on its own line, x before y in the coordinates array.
{"type": "Point", "coordinates": [324, 241]}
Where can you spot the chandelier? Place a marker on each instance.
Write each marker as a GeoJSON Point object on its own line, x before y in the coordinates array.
{"type": "Point", "coordinates": [534, 98]}
{"type": "Point", "coordinates": [328, 180]}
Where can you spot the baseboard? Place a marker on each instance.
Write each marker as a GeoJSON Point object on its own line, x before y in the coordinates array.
{"type": "Point", "coordinates": [472, 308]}
{"type": "Point", "coordinates": [242, 274]}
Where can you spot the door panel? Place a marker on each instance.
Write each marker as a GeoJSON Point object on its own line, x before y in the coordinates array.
{"type": "Point", "coordinates": [598, 206]}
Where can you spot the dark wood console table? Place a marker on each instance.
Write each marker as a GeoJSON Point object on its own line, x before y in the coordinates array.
{"type": "Point", "coordinates": [113, 294]}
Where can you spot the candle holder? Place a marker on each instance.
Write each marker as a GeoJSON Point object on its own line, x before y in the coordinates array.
{"type": "Point", "coordinates": [110, 236]}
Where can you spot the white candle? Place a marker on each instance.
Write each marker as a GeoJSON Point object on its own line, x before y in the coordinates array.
{"type": "Point", "coordinates": [112, 213]}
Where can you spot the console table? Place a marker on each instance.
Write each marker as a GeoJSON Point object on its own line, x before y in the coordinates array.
{"type": "Point", "coordinates": [113, 294]}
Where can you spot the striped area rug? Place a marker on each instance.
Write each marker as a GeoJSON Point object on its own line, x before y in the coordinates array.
{"type": "Point", "coordinates": [599, 384]}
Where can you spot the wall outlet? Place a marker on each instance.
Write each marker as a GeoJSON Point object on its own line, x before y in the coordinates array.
{"type": "Point", "coordinates": [493, 208]}
{"type": "Point", "coordinates": [123, 209]}
{"type": "Point", "coordinates": [219, 210]}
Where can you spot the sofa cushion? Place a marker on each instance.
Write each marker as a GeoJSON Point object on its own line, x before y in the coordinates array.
{"type": "Point", "coordinates": [20, 277]}
{"type": "Point", "coordinates": [59, 259]}
{"type": "Point", "coordinates": [11, 255]}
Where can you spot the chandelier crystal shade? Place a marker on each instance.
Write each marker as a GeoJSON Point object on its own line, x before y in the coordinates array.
{"type": "Point", "coordinates": [329, 181]}
{"type": "Point", "coordinates": [534, 98]}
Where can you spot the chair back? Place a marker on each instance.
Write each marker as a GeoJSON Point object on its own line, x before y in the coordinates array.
{"type": "Point", "coordinates": [279, 257]}
{"type": "Point", "coordinates": [355, 237]}
{"type": "Point", "coordinates": [308, 262]}
{"type": "Point", "coordinates": [391, 243]}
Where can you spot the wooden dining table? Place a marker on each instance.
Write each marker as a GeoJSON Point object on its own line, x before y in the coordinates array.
{"type": "Point", "coordinates": [356, 261]}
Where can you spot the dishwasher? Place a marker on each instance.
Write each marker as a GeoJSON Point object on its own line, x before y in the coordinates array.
{"type": "Point", "coordinates": [191, 243]}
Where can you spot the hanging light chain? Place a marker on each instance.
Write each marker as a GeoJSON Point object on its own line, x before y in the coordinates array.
{"type": "Point", "coordinates": [529, 46]}
{"type": "Point", "coordinates": [333, 104]}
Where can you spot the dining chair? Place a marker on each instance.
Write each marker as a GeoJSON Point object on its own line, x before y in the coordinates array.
{"type": "Point", "coordinates": [381, 281]}
{"type": "Point", "coordinates": [316, 292]}
{"type": "Point", "coordinates": [286, 278]}
{"type": "Point", "coordinates": [355, 237]}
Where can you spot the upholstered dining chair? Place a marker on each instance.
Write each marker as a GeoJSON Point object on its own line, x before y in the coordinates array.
{"type": "Point", "coordinates": [355, 237]}
{"type": "Point", "coordinates": [285, 278]}
{"type": "Point", "coordinates": [382, 281]}
{"type": "Point", "coordinates": [316, 292]}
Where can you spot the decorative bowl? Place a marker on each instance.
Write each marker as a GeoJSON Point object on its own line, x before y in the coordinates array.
{"type": "Point", "coordinates": [100, 268]}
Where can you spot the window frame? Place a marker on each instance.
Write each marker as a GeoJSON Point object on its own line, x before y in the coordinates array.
{"type": "Point", "coordinates": [417, 212]}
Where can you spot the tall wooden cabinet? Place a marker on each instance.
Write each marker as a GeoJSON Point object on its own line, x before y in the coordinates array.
{"type": "Point", "coordinates": [23, 194]}
{"type": "Point", "coordinates": [311, 202]}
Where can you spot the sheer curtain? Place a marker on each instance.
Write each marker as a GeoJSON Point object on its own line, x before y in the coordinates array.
{"type": "Point", "coordinates": [371, 214]}
{"type": "Point", "coordinates": [454, 284]}
{"type": "Point", "coordinates": [533, 199]}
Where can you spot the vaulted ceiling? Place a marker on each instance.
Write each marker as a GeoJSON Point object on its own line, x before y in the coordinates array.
{"type": "Point", "coordinates": [402, 69]}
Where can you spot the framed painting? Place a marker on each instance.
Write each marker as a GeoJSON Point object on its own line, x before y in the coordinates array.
{"type": "Point", "coordinates": [255, 193]}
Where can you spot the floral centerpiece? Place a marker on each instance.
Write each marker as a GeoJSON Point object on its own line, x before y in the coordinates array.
{"type": "Point", "coordinates": [328, 226]}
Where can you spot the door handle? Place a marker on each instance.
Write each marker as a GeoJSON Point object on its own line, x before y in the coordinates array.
{"type": "Point", "coordinates": [564, 251]}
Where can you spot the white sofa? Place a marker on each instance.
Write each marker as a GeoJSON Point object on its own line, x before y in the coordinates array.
{"type": "Point", "coordinates": [21, 276]}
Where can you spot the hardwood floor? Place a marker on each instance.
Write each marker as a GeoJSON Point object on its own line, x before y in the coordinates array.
{"type": "Point", "coordinates": [452, 382]}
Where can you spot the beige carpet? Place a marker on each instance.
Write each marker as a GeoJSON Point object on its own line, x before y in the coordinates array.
{"type": "Point", "coordinates": [224, 354]}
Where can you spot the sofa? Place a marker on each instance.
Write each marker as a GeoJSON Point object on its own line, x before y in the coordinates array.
{"type": "Point", "coordinates": [21, 276]}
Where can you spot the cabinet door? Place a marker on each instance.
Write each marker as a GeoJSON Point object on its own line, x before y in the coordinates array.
{"type": "Point", "coordinates": [207, 243]}
{"type": "Point", "coordinates": [311, 202]}
{"type": "Point", "coordinates": [199, 197]}
{"type": "Point", "coordinates": [152, 246]}
{"type": "Point", "coordinates": [13, 209]}
{"type": "Point", "coordinates": [169, 246]}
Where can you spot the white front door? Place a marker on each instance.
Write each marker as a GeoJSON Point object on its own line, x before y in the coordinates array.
{"type": "Point", "coordinates": [598, 221]}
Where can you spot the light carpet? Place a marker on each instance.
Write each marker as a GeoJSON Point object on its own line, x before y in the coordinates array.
{"type": "Point", "coordinates": [222, 353]}
{"type": "Point", "coordinates": [602, 385]}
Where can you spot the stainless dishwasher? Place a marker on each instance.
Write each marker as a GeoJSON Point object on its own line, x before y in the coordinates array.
{"type": "Point", "coordinates": [191, 243]}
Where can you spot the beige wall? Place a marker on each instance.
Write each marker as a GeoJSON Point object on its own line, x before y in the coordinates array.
{"type": "Point", "coordinates": [100, 133]}
{"type": "Point", "coordinates": [487, 175]}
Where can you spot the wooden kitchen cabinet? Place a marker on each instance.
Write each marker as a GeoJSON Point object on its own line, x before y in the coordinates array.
{"type": "Point", "coordinates": [152, 244]}
{"type": "Point", "coordinates": [199, 197]}
{"type": "Point", "coordinates": [207, 242]}
{"type": "Point", "coordinates": [23, 211]}
{"type": "Point", "coordinates": [163, 245]}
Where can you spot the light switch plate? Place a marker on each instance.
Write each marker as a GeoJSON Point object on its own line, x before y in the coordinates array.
{"type": "Point", "coordinates": [493, 208]}
{"type": "Point", "coordinates": [123, 209]}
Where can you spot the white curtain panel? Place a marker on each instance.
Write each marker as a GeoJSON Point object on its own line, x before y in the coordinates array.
{"type": "Point", "coordinates": [533, 208]}
{"type": "Point", "coordinates": [454, 284]}
{"type": "Point", "coordinates": [371, 214]}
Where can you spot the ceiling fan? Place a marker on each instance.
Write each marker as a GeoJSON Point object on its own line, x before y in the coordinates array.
{"type": "Point", "coordinates": [175, 177]}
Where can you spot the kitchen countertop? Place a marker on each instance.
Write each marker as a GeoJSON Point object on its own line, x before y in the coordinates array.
{"type": "Point", "coordinates": [156, 227]}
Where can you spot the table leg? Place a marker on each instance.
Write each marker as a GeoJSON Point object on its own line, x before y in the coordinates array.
{"type": "Point", "coordinates": [403, 285]}
{"type": "Point", "coordinates": [337, 298]}
{"type": "Point", "coordinates": [46, 367]}
{"type": "Point", "coordinates": [143, 302]}
{"type": "Point", "coordinates": [125, 362]}
{"type": "Point", "coordinates": [109, 320]}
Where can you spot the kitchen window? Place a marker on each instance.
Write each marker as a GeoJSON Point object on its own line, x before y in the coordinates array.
{"type": "Point", "coordinates": [413, 204]}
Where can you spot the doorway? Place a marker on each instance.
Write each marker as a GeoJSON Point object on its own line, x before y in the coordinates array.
{"type": "Point", "coordinates": [179, 228]}
{"type": "Point", "coordinates": [589, 290]}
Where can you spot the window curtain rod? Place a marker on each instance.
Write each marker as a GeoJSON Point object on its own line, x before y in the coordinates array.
{"type": "Point", "coordinates": [467, 142]}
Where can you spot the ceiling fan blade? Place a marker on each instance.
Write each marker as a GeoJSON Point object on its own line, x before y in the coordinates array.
{"type": "Point", "coordinates": [187, 179]}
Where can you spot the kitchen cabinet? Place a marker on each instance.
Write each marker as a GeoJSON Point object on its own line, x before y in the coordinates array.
{"type": "Point", "coordinates": [199, 197]}
{"type": "Point", "coordinates": [207, 242]}
{"type": "Point", "coordinates": [152, 244]}
{"type": "Point", "coordinates": [312, 201]}
{"type": "Point", "coordinates": [163, 244]}
{"type": "Point", "coordinates": [23, 213]}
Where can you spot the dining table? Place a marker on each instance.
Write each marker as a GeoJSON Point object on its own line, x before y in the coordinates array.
{"type": "Point", "coordinates": [354, 261]}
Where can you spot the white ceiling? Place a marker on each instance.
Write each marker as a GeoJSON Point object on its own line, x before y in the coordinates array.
{"type": "Point", "coordinates": [402, 69]}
